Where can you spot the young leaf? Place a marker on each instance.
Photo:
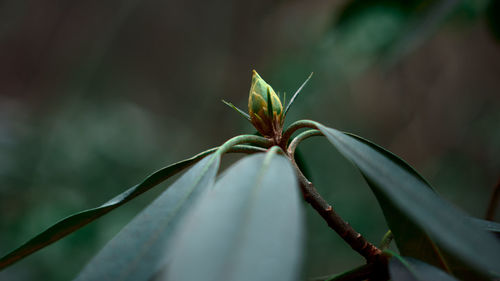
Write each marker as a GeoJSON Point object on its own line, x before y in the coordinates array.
{"type": "Point", "coordinates": [249, 227]}
{"type": "Point", "coordinates": [297, 93]}
{"type": "Point", "coordinates": [243, 113]}
{"type": "Point", "coordinates": [270, 104]}
{"type": "Point", "coordinates": [444, 223]}
{"type": "Point", "coordinates": [78, 220]}
{"type": "Point", "coordinates": [141, 247]}
{"type": "Point", "coordinates": [410, 269]}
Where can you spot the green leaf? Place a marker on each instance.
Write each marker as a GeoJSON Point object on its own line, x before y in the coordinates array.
{"type": "Point", "coordinates": [359, 273]}
{"type": "Point", "coordinates": [270, 104]}
{"type": "Point", "coordinates": [410, 269]}
{"type": "Point", "coordinates": [141, 248]}
{"type": "Point", "coordinates": [250, 227]}
{"type": "Point", "coordinates": [444, 223]}
{"type": "Point", "coordinates": [411, 239]}
{"type": "Point", "coordinates": [462, 270]}
{"type": "Point", "coordinates": [76, 221]}
{"type": "Point", "coordinates": [297, 93]}
{"type": "Point", "coordinates": [491, 226]}
{"type": "Point", "coordinates": [243, 113]}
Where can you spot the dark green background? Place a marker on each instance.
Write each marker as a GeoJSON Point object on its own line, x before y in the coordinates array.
{"type": "Point", "coordinates": [95, 95]}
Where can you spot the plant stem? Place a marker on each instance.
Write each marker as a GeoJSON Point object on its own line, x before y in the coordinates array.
{"type": "Point", "coordinates": [294, 127]}
{"type": "Point", "coordinates": [357, 242]}
{"type": "Point", "coordinates": [305, 135]}
{"type": "Point", "coordinates": [376, 267]}
{"type": "Point", "coordinates": [256, 140]}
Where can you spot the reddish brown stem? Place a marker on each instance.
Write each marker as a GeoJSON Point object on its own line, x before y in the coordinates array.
{"type": "Point", "coordinates": [357, 242]}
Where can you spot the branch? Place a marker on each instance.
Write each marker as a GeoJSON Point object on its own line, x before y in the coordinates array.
{"type": "Point", "coordinates": [357, 242]}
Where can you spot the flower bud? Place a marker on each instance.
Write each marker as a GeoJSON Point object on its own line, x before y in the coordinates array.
{"type": "Point", "coordinates": [258, 109]}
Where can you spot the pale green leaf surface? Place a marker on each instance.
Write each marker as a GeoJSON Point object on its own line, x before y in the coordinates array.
{"type": "Point", "coordinates": [249, 227]}
{"type": "Point", "coordinates": [296, 94]}
{"type": "Point", "coordinates": [80, 219]}
{"type": "Point", "coordinates": [410, 269]}
{"type": "Point", "coordinates": [241, 112]}
{"type": "Point", "coordinates": [452, 229]}
{"type": "Point", "coordinates": [487, 225]}
{"type": "Point", "coordinates": [411, 239]}
{"type": "Point", "coordinates": [141, 248]}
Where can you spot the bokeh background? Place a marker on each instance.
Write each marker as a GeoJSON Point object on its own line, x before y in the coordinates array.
{"type": "Point", "coordinates": [95, 95]}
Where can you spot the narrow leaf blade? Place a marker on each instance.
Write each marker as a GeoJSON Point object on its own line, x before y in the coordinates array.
{"type": "Point", "coordinates": [76, 221]}
{"type": "Point", "coordinates": [297, 93]}
{"type": "Point", "coordinates": [140, 248]}
{"type": "Point", "coordinates": [452, 229]}
{"type": "Point", "coordinates": [410, 269]}
{"type": "Point", "coordinates": [411, 239]}
{"type": "Point", "coordinates": [243, 113]}
{"type": "Point", "coordinates": [248, 228]}
{"type": "Point", "coordinates": [491, 226]}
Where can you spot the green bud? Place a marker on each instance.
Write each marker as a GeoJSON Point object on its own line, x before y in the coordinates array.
{"type": "Point", "coordinates": [268, 121]}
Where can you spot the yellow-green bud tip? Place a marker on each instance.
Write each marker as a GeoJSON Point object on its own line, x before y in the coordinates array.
{"type": "Point", "coordinates": [258, 108]}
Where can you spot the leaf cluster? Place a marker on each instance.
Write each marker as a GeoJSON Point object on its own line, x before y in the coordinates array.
{"type": "Point", "coordinates": [248, 224]}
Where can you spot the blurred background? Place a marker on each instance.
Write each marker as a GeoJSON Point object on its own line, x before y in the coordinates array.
{"type": "Point", "coordinates": [95, 95]}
